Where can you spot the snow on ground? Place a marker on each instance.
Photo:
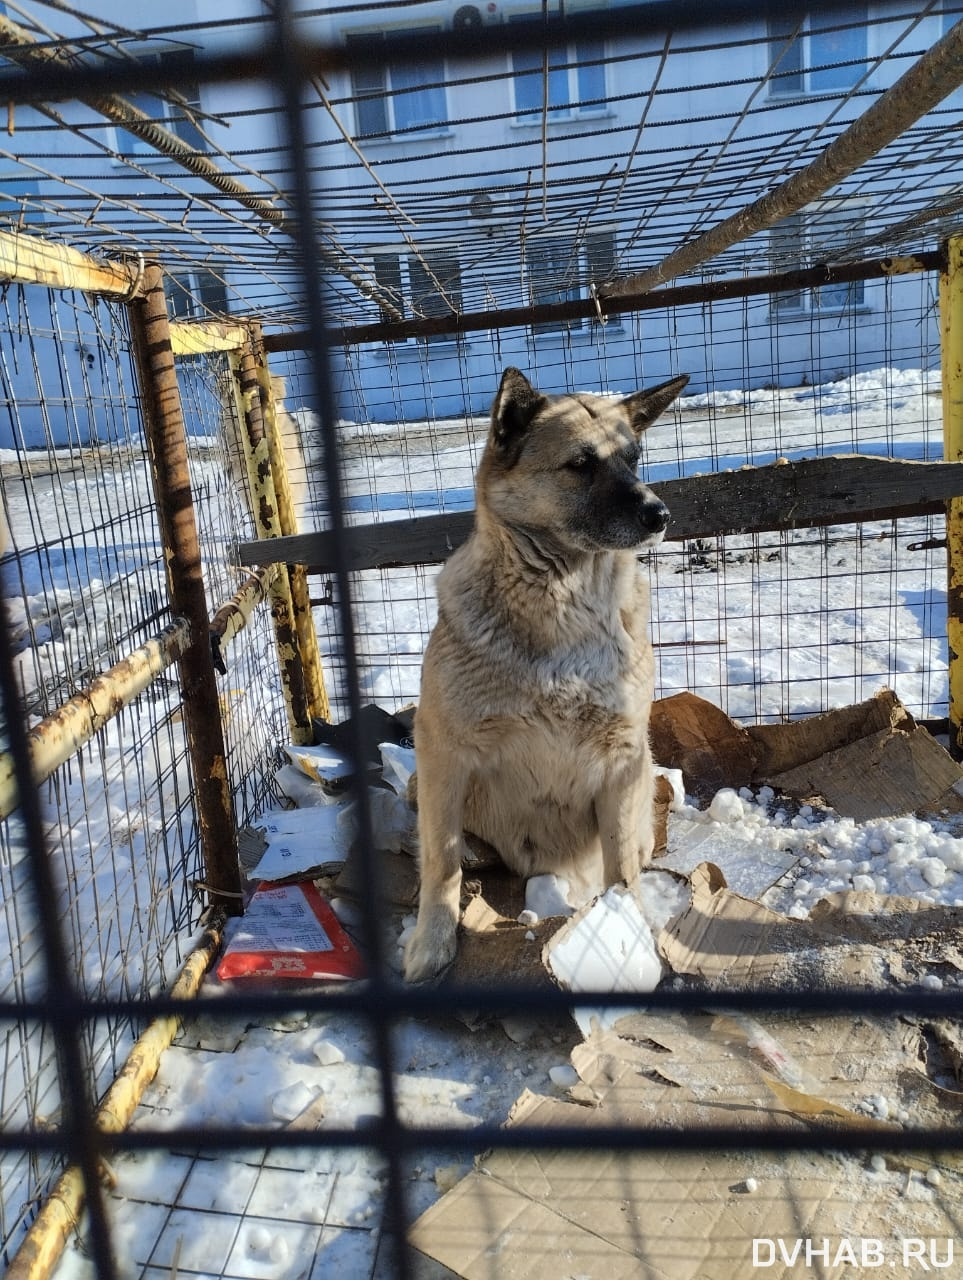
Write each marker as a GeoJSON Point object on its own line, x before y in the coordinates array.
{"type": "Point", "coordinates": [299, 1214]}
{"type": "Point", "coordinates": [729, 628]}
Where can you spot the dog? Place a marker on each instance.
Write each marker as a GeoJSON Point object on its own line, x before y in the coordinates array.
{"type": "Point", "coordinates": [532, 726]}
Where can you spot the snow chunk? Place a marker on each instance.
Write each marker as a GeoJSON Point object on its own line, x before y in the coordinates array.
{"type": "Point", "coordinates": [292, 1100]}
{"type": "Point", "coordinates": [563, 1077]}
{"type": "Point", "coordinates": [546, 896]}
{"type": "Point", "coordinates": [328, 1054]}
{"type": "Point", "coordinates": [727, 806]}
{"type": "Point", "coordinates": [608, 947]}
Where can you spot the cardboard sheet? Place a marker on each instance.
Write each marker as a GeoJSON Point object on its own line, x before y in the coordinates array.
{"type": "Point", "coordinates": [694, 735]}
{"type": "Point", "coordinates": [892, 771]}
{"type": "Point", "coordinates": [780, 747]}
{"type": "Point", "coordinates": [539, 1215]}
{"type": "Point", "coordinates": [300, 841]}
{"type": "Point", "coordinates": [528, 1215]}
{"type": "Point", "coordinates": [866, 761]}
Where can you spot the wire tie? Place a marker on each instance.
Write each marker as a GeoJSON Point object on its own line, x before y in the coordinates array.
{"type": "Point", "coordinates": [135, 289]}
{"type": "Point", "coordinates": [198, 886]}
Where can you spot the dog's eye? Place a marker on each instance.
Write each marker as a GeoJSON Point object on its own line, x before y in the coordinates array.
{"type": "Point", "coordinates": [581, 462]}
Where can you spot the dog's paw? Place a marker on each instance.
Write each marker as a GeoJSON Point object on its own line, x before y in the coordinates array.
{"type": "Point", "coordinates": [430, 949]}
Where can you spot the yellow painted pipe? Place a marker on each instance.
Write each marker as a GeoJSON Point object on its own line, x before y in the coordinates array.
{"type": "Point", "coordinates": [30, 260]}
{"type": "Point", "coordinates": [267, 523]}
{"type": "Point", "coordinates": [202, 337]}
{"type": "Point", "coordinates": [43, 1244]}
{"type": "Point", "coordinates": [307, 637]}
{"type": "Point", "coordinates": [55, 739]}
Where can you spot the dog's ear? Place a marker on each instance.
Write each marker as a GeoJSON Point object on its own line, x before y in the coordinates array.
{"type": "Point", "coordinates": [645, 407]}
{"type": "Point", "coordinates": [516, 404]}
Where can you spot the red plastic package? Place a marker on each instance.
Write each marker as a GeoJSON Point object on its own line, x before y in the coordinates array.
{"type": "Point", "coordinates": [290, 931]}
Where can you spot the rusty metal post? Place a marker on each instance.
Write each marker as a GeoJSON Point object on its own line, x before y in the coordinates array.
{"type": "Point", "coordinates": [264, 506]}
{"type": "Point", "coordinates": [951, 348]}
{"type": "Point", "coordinates": [315, 692]}
{"type": "Point", "coordinates": [167, 447]}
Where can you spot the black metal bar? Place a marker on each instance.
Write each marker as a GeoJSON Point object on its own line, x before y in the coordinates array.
{"type": "Point", "coordinates": [458, 324]}
{"type": "Point", "coordinates": [397, 999]}
{"type": "Point", "coordinates": [820, 1137]}
{"type": "Point", "coordinates": [290, 84]}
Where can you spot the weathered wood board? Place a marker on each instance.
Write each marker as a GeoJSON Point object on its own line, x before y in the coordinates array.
{"type": "Point", "coordinates": [784, 495]}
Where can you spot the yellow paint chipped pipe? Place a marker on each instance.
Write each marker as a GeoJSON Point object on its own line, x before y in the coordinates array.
{"type": "Point", "coordinates": [30, 260]}
{"type": "Point", "coordinates": [43, 1244]}
{"type": "Point", "coordinates": [203, 337]}
{"type": "Point", "coordinates": [60, 735]}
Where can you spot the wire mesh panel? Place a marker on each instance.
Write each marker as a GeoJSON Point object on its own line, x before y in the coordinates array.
{"type": "Point", "coordinates": [409, 200]}
{"type": "Point", "coordinates": [867, 601]}
{"type": "Point", "coordinates": [84, 581]}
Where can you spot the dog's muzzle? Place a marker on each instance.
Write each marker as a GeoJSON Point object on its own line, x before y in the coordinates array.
{"type": "Point", "coordinates": [655, 521]}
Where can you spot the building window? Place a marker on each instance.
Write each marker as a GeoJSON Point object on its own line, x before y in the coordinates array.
{"type": "Point", "coordinates": [801, 239]}
{"type": "Point", "coordinates": [421, 285]}
{"type": "Point", "coordinates": [817, 54]}
{"type": "Point", "coordinates": [574, 84]}
{"type": "Point", "coordinates": [195, 295]}
{"type": "Point", "coordinates": [397, 99]}
{"type": "Point", "coordinates": [171, 114]}
{"type": "Point", "coordinates": [564, 269]}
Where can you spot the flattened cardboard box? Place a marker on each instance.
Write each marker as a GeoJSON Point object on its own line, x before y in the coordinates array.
{"type": "Point", "coordinates": [601, 1215]}
{"type": "Point", "coordinates": [866, 761]}
{"type": "Point", "coordinates": [537, 1215]}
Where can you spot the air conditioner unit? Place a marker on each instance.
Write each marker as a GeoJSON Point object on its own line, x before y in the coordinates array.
{"type": "Point", "coordinates": [469, 17]}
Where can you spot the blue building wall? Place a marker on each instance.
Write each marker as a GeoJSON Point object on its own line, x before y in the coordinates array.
{"type": "Point", "coordinates": [760, 341]}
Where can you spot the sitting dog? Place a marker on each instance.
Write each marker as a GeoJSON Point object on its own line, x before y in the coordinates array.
{"type": "Point", "coordinates": [532, 726]}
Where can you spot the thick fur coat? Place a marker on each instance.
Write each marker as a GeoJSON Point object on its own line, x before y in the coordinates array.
{"type": "Point", "coordinates": [532, 725]}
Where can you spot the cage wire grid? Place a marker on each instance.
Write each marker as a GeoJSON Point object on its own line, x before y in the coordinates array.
{"type": "Point", "coordinates": [380, 469]}
{"type": "Point", "coordinates": [84, 585]}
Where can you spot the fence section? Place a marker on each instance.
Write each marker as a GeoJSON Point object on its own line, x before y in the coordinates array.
{"type": "Point", "coordinates": [84, 581]}
{"type": "Point", "coordinates": [757, 604]}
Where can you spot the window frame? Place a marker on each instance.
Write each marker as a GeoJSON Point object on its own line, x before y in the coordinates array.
{"type": "Point", "coordinates": [581, 56]}
{"type": "Point", "coordinates": [827, 299]}
{"type": "Point", "coordinates": [798, 71]}
{"type": "Point", "coordinates": [407, 278]}
{"type": "Point", "coordinates": [128, 146]}
{"type": "Point", "coordinates": [593, 255]}
{"type": "Point", "coordinates": [379, 95]}
{"type": "Point", "coordinates": [193, 294]}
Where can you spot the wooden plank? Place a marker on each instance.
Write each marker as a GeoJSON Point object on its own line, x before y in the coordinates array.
{"type": "Point", "coordinates": [205, 336]}
{"type": "Point", "coordinates": [29, 260]}
{"type": "Point", "coordinates": [784, 495]}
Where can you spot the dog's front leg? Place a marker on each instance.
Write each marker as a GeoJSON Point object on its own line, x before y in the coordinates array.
{"type": "Point", "coordinates": [441, 808]}
{"type": "Point", "coordinates": [625, 818]}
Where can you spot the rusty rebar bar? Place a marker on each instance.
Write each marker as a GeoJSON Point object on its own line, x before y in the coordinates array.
{"type": "Point", "coordinates": [928, 81]}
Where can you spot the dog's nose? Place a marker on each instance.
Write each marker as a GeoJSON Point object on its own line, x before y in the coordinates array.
{"type": "Point", "coordinates": [656, 516]}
